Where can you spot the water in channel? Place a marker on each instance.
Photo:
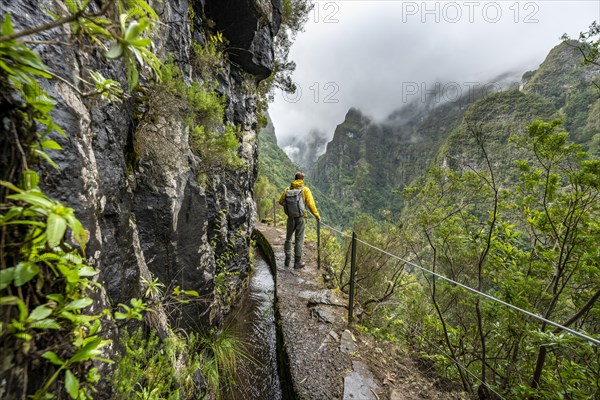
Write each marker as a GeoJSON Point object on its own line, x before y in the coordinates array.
{"type": "Point", "coordinates": [254, 321]}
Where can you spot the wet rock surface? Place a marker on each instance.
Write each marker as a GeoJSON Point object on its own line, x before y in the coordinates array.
{"type": "Point", "coordinates": [360, 384]}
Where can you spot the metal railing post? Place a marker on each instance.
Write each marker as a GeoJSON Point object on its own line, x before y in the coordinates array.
{"type": "Point", "coordinates": [318, 244]}
{"type": "Point", "coordinates": [352, 280]}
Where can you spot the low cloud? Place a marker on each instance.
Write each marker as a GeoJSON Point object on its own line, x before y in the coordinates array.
{"type": "Point", "coordinates": [382, 56]}
{"type": "Point", "coordinates": [304, 150]}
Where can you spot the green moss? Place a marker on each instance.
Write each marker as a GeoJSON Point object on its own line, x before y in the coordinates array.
{"type": "Point", "coordinates": [215, 143]}
{"type": "Point", "coordinates": [209, 59]}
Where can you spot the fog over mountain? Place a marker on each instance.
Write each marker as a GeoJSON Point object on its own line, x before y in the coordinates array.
{"type": "Point", "coordinates": [304, 150]}
{"type": "Point", "coordinates": [380, 56]}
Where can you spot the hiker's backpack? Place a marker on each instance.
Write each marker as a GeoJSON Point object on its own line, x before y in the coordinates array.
{"type": "Point", "coordinates": [294, 203]}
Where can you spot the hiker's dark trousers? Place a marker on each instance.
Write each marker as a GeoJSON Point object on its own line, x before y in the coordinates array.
{"type": "Point", "coordinates": [295, 226]}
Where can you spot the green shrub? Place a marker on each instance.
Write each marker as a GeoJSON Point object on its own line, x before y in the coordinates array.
{"type": "Point", "coordinates": [171, 368]}
{"type": "Point", "coordinates": [216, 148]}
{"type": "Point", "coordinates": [209, 58]}
{"type": "Point", "coordinates": [216, 144]}
{"type": "Point", "coordinates": [152, 368]}
{"type": "Point", "coordinates": [222, 352]}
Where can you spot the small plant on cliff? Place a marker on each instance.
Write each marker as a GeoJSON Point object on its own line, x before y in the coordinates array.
{"type": "Point", "coordinates": [222, 351]}
{"type": "Point", "coordinates": [154, 368]}
{"type": "Point", "coordinates": [209, 59]}
{"type": "Point", "coordinates": [216, 144]}
{"type": "Point", "coordinates": [218, 148]}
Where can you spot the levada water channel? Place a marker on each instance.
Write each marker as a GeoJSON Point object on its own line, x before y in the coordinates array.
{"type": "Point", "coordinates": [254, 321]}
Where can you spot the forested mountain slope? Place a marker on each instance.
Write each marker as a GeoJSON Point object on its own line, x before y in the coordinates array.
{"type": "Point", "coordinates": [367, 164]}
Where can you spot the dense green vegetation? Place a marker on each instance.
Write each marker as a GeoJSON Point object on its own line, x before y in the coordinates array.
{"type": "Point", "coordinates": [177, 367]}
{"type": "Point", "coordinates": [201, 106]}
{"type": "Point", "coordinates": [368, 164]}
{"type": "Point", "coordinates": [530, 241]}
{"type": "Point", "coordinates": [275, 172]}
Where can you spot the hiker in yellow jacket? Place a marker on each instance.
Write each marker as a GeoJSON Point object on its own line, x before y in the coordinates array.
{"type": "Point", "coordinates": [295, 224]}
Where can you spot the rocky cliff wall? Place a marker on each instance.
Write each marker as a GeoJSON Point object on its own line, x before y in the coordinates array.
{"type": "Point", "coordinates": [150, 204]}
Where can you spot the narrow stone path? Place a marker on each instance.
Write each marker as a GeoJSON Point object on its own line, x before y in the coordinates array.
{"type": "Point", "coordinates": [313, 322]}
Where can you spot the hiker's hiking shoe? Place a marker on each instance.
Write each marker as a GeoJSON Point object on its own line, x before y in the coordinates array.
{"type": "Point", "coordinates": [299, 265]}
{"type": "Point", "coordinates": [287, 262]}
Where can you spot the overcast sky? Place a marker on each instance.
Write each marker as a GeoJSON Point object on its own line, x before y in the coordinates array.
{"type": "Point", "coordinates": [378, 55]}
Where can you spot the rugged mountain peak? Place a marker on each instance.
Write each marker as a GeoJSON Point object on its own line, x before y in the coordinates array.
{"type": "Point", "coordinates": [560, 73]}
{"type": "Point", "coordinates": [367, 160]}
{"type": "Point", "coordinates": [354, 115]}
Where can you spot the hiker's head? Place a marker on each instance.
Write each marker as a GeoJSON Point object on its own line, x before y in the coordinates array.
{"type": "Point", "coordinates": [299, 175]}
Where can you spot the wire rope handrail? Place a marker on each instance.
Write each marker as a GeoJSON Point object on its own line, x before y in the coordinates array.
{"type": "Point", "coordinates": [450, 357]}
{"type": "Point", "coordinates": [472, 290]}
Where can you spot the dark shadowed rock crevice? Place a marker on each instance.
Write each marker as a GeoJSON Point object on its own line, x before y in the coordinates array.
{"type": "Point", "coordinates": [250, 26]}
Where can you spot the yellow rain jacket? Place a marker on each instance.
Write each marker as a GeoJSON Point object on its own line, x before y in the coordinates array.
{"type": "Point", "coordinates": [309, 202]}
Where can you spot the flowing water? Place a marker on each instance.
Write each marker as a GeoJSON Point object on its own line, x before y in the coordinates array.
{"type": "Point", "coordinates": [254, 321]}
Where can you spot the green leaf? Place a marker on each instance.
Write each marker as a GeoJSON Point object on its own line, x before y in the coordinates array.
{"type": "Point", "coordinates": [192, 293]}
{"type": "Point", "coordinates": [115, 52]}
{"type": "Point", "coordinates": [40, 312]}
{"type": "Point", "coordinates": [24, 272]}
{"type": "Point", "coordinates": [46, 157]}
{"type": "Point", "coordinates": [141, 43]}
{"type": "Point", "coordinates": [6, 68]}
{"type": "Point", "coordinates": [23, 336]}
{"type": "Point", "coordinates": [120, 315]}
{"type": "Point", "coordinates": [87, 271]}
{"type": "Point", "coordinates": [53, 358]}
{"type": "Point", "coordinates": [11, 186]}
{"type": "Point", "coordinates": [71, 384]}
{"type": "Point", "coordinates": [6, 277]}
{"type": "Point", "coordinates": [90, 350]}
{"type": "Point", "coordinates": [51, 144]}
{"type": "Point", "coordinates": [33, 198]}
{"type": "Point", "coordinates": [95, 327]}
{"type": "Point", "coordinates": [9, 300]}
{"type": "Point", "coordinates": [48, 323]}
{"type": "Point", "coordinates": [133, 77]}
{"type": "Point", "coordinates": [68, 316]}
{"type": "Point", "coordinates": [26, 222]}
{"type": "Point", "coordinates": [57, 297]}
{"type": "Point", "coordinates": [7, 27]}
{"type": "Point", "coordinates": [55, 229]}
{"type": "Point", "coordinates": [79, 233]}
{"type": "Point", "coordinates": [134, 29]}
{"type": "Point", "coordinates": [71, 275]}
{"type": "Point", "coordinates": [79, 304]}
